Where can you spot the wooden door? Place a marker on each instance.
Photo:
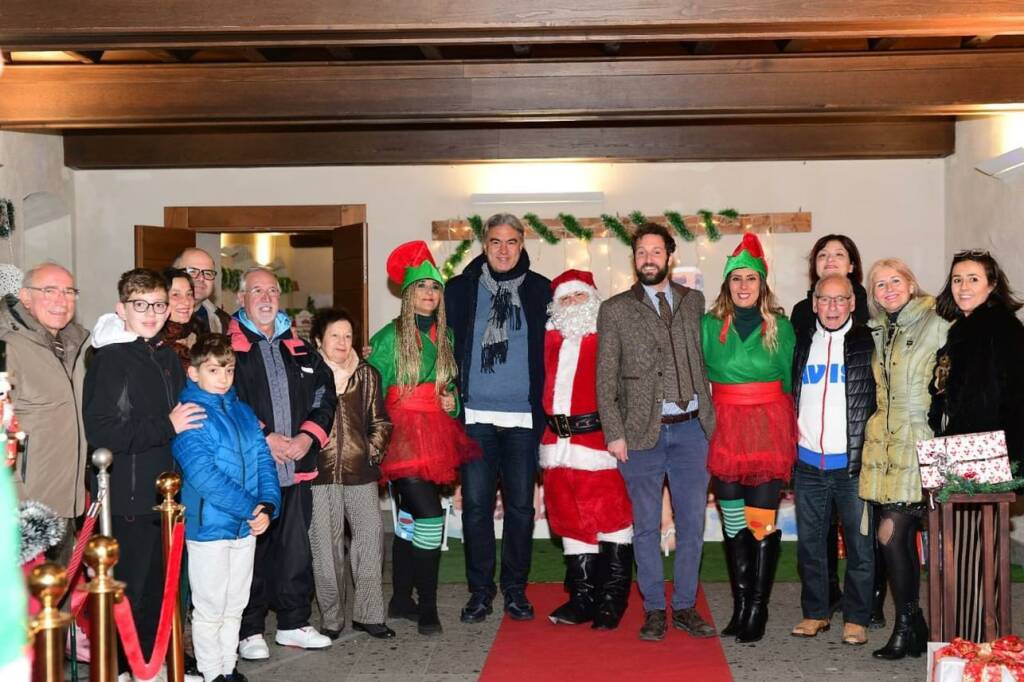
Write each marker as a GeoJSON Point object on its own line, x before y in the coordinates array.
{"type": "Point", "coordinates": [350, 274]}
{"type": "Point", "coordinates": [157, 247]}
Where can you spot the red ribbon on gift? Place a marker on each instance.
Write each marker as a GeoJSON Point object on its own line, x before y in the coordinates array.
{"type": "Point", "coordinates": [985, 661]}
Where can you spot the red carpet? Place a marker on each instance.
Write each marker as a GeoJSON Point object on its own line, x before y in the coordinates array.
{"type": "Point", "coordinates": [538, 650]}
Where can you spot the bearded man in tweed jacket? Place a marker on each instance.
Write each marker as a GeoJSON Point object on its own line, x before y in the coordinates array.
{"type": "Point", "coordinates": [655, 405]}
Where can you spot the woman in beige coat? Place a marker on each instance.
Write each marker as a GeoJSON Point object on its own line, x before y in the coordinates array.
{"type": "Point", "coordinates": [907, 334]}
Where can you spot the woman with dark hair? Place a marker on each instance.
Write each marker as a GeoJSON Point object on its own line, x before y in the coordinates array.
{"type": "Point", "coordinates": [978, 386]}
{"type": "Point", "coordinates": [345, 488]}
{"type": "Point", "coordinates": [413, 354]}
{"type": "Point", "coordinates": [179, 330]}
{"type": "Point", "coordinates": [833, 254]}
{"type": "Point", "coordinates": [907, 333]}
{"type": "Point", "coordinates": [837, 254]}
{"type": "Point", "coordinates": [748, 349]}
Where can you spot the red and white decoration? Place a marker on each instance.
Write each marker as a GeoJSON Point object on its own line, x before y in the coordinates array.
{"type": "Point", "coordinates": [584, 491]}
{"type": "Point", "coordinates": [980, 457]}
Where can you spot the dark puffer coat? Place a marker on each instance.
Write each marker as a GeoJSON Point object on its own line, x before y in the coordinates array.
{"type": "Point", "coordinates": [984, 387]}
{"type": "Point", "coordinates": [860, 385]}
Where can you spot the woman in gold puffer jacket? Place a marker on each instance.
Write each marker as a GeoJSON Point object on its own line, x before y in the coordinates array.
{"type": "Point", "coordinates": [907, 333]}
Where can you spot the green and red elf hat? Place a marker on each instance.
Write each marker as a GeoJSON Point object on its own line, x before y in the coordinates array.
{"type": "Point", "coordinates": [411, 262]}
{"type": "Point", "coordinates": [748, 254]}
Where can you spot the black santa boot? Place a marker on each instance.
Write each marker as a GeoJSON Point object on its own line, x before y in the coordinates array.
{"type": "Point", "coordinates": [616, 574]}
{"type": "Point", "coordinates": [402, 604]}
{"type": "Point", "coordinates": [765, 560]}
{"type": "Point", "coordinates": [739, 557]}
{"type": "Point", "coordinates": [580, 582]}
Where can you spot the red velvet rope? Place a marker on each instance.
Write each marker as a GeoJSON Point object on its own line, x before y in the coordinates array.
{"type": "Point", "coordinates": [141, 668]}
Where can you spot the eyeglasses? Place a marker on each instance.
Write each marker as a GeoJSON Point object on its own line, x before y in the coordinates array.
{"type": "Point", "coordinates": [53, 293]}
{"type": "Point", "coordinates": [833, 300]}
{"type": "Point", "coordinates": [256, 292]}
{"type": "Point", "coordinates": [140, 306]}
{"type": "Point", "coordinates": [972, 253]}
{"type": "Point", "coordinates": [205, 274]}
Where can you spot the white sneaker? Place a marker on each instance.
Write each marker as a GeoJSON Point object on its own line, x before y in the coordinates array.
{"type": "Point", "coordinates": [254, 648]}
{"type": "Point", "coordinates": [304, 638]}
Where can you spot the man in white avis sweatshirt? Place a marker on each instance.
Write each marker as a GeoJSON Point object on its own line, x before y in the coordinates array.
{"type": "Point", "coordinates": [834, 390]}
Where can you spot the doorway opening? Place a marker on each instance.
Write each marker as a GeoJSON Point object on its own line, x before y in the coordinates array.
{"type": "Point", "coordinates": [317, 252]}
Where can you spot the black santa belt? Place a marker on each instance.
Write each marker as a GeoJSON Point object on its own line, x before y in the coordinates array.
{"type": "Point", "coordinates": [568, 425]}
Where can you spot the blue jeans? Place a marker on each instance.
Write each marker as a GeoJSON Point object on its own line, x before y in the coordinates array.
{"type": "Point", "coordinates": [681, 453]}
{"type": "Point", "coordinates": [816, 491]}
{"type": "Point", "coordinates": [511, 454]}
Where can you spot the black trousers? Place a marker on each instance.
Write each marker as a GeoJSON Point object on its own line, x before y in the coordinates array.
{"type": "Point", "coordinates": [141, 568]}
{"type": "Point", "coordinates": [282, 574]}
{"type": "Point", "coordinates": [420, 498]}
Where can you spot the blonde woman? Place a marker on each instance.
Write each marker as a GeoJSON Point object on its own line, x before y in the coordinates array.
{"type": "Point", "coordinates": [413, 354]}
{"type": "Point", "coordinates": [907, 334]}
{"type": "Point", "coordinates": [748, 349]}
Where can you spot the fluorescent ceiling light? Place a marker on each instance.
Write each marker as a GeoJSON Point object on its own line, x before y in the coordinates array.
{"type": "Point", "coordinates": [1003, 165]}
{"type": "Point", "coordinates": [538, 198]}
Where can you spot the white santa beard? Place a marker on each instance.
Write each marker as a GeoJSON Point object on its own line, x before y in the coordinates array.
{"type": "Point", "coordinates": [575, 321]}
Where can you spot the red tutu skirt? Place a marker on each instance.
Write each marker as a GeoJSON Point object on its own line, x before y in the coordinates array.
{"type": "Point", "coordinates": [425, 442]}
{"type": "Point", "coordinates": [755, 433]}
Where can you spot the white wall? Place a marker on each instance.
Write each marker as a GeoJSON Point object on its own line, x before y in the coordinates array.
{"type": "Point", "coordinates": [33, 166]}
{"type": "Point", "coordinates": [888, 207]}
{"type": "Point", "coordinates": [984, 212]}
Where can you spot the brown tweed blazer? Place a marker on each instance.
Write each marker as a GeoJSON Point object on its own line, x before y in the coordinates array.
{"type": "Point", "coordinates": [629, 389]}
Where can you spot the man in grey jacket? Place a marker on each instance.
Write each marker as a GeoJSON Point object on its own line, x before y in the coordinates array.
{"type": "Point", "coordinates": [655, 406]}
{"type": "Point", "coordinates": [44, 349]}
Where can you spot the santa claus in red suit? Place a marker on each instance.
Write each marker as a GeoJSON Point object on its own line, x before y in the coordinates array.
{"type": "Point", "coordinates": [586, 499]}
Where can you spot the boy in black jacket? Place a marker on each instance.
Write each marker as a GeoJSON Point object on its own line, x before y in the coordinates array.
{"type": "Point", "coordinates": [130, 405]}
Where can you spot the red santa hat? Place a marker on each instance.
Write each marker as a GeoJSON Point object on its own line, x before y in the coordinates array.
{"type": "Point", "coordinates": [571, 281]}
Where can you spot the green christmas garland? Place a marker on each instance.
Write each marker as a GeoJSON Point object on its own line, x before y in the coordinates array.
{"type": "Point", "coordinates": [675, 219]}
{"type": "Point", "coordinates": [573, 227]}
{"type": "Point", "coordinates": [542, 230]}
{"type": "Point", "coordinates": [448, 269]}
{"type": "Point", "coordinates": [617, 228]}
{"type": "Point", "coordinates": [6, 218]}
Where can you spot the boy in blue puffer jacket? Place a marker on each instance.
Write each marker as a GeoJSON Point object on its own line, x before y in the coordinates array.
{"type": "Point", "coordinates": [230, 494]}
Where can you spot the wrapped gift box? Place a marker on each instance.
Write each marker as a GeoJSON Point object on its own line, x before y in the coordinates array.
{"type": "Point", "coordinates": [963, 661]}
{"type": "Point", "coordinates": [979, 457]}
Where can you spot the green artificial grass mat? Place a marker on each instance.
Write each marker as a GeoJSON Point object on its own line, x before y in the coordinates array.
{"type": "Point", "coordinates": [548, 565]}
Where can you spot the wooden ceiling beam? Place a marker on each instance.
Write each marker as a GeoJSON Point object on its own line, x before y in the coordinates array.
{"type": "Point", "coordinates": [516, 91]}
{"type": "Point", "coordinates": [62, 24]}
{"type": "Point", "coordinates": [730, 141]}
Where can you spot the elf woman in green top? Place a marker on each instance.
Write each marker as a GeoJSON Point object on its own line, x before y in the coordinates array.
{"type": "Point", "coordinates": [748, 349]}
{"type": "Point", "coordinates": [413, 354]}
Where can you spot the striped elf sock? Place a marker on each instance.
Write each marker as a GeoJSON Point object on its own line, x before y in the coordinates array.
{"type": "Point", "coordinates": [733, 518]}
{"type": "Point", "coordinates": [426, 533]}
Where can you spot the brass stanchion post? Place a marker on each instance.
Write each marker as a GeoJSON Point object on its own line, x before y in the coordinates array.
{"type": "Point", "coordinates": [48, 583]}
{"type": "Point", "coordinates": [101, 553]}
{"type": "Point", "coordinates": [168, 484]}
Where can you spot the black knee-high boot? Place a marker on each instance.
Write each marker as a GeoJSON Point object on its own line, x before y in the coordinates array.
{"type": "Point", "coordinates": [613, 589]}
{"type": "Point", "coordinates": [426, 563]}
{"type": "Point", "coordinates": [402, 604]}
{"type": "Point", "coordinates": [739, 557]}
{"type": "Point", "coordinates": [766, 559]}
{"type": "Point", "coordinates": [581, 583]}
